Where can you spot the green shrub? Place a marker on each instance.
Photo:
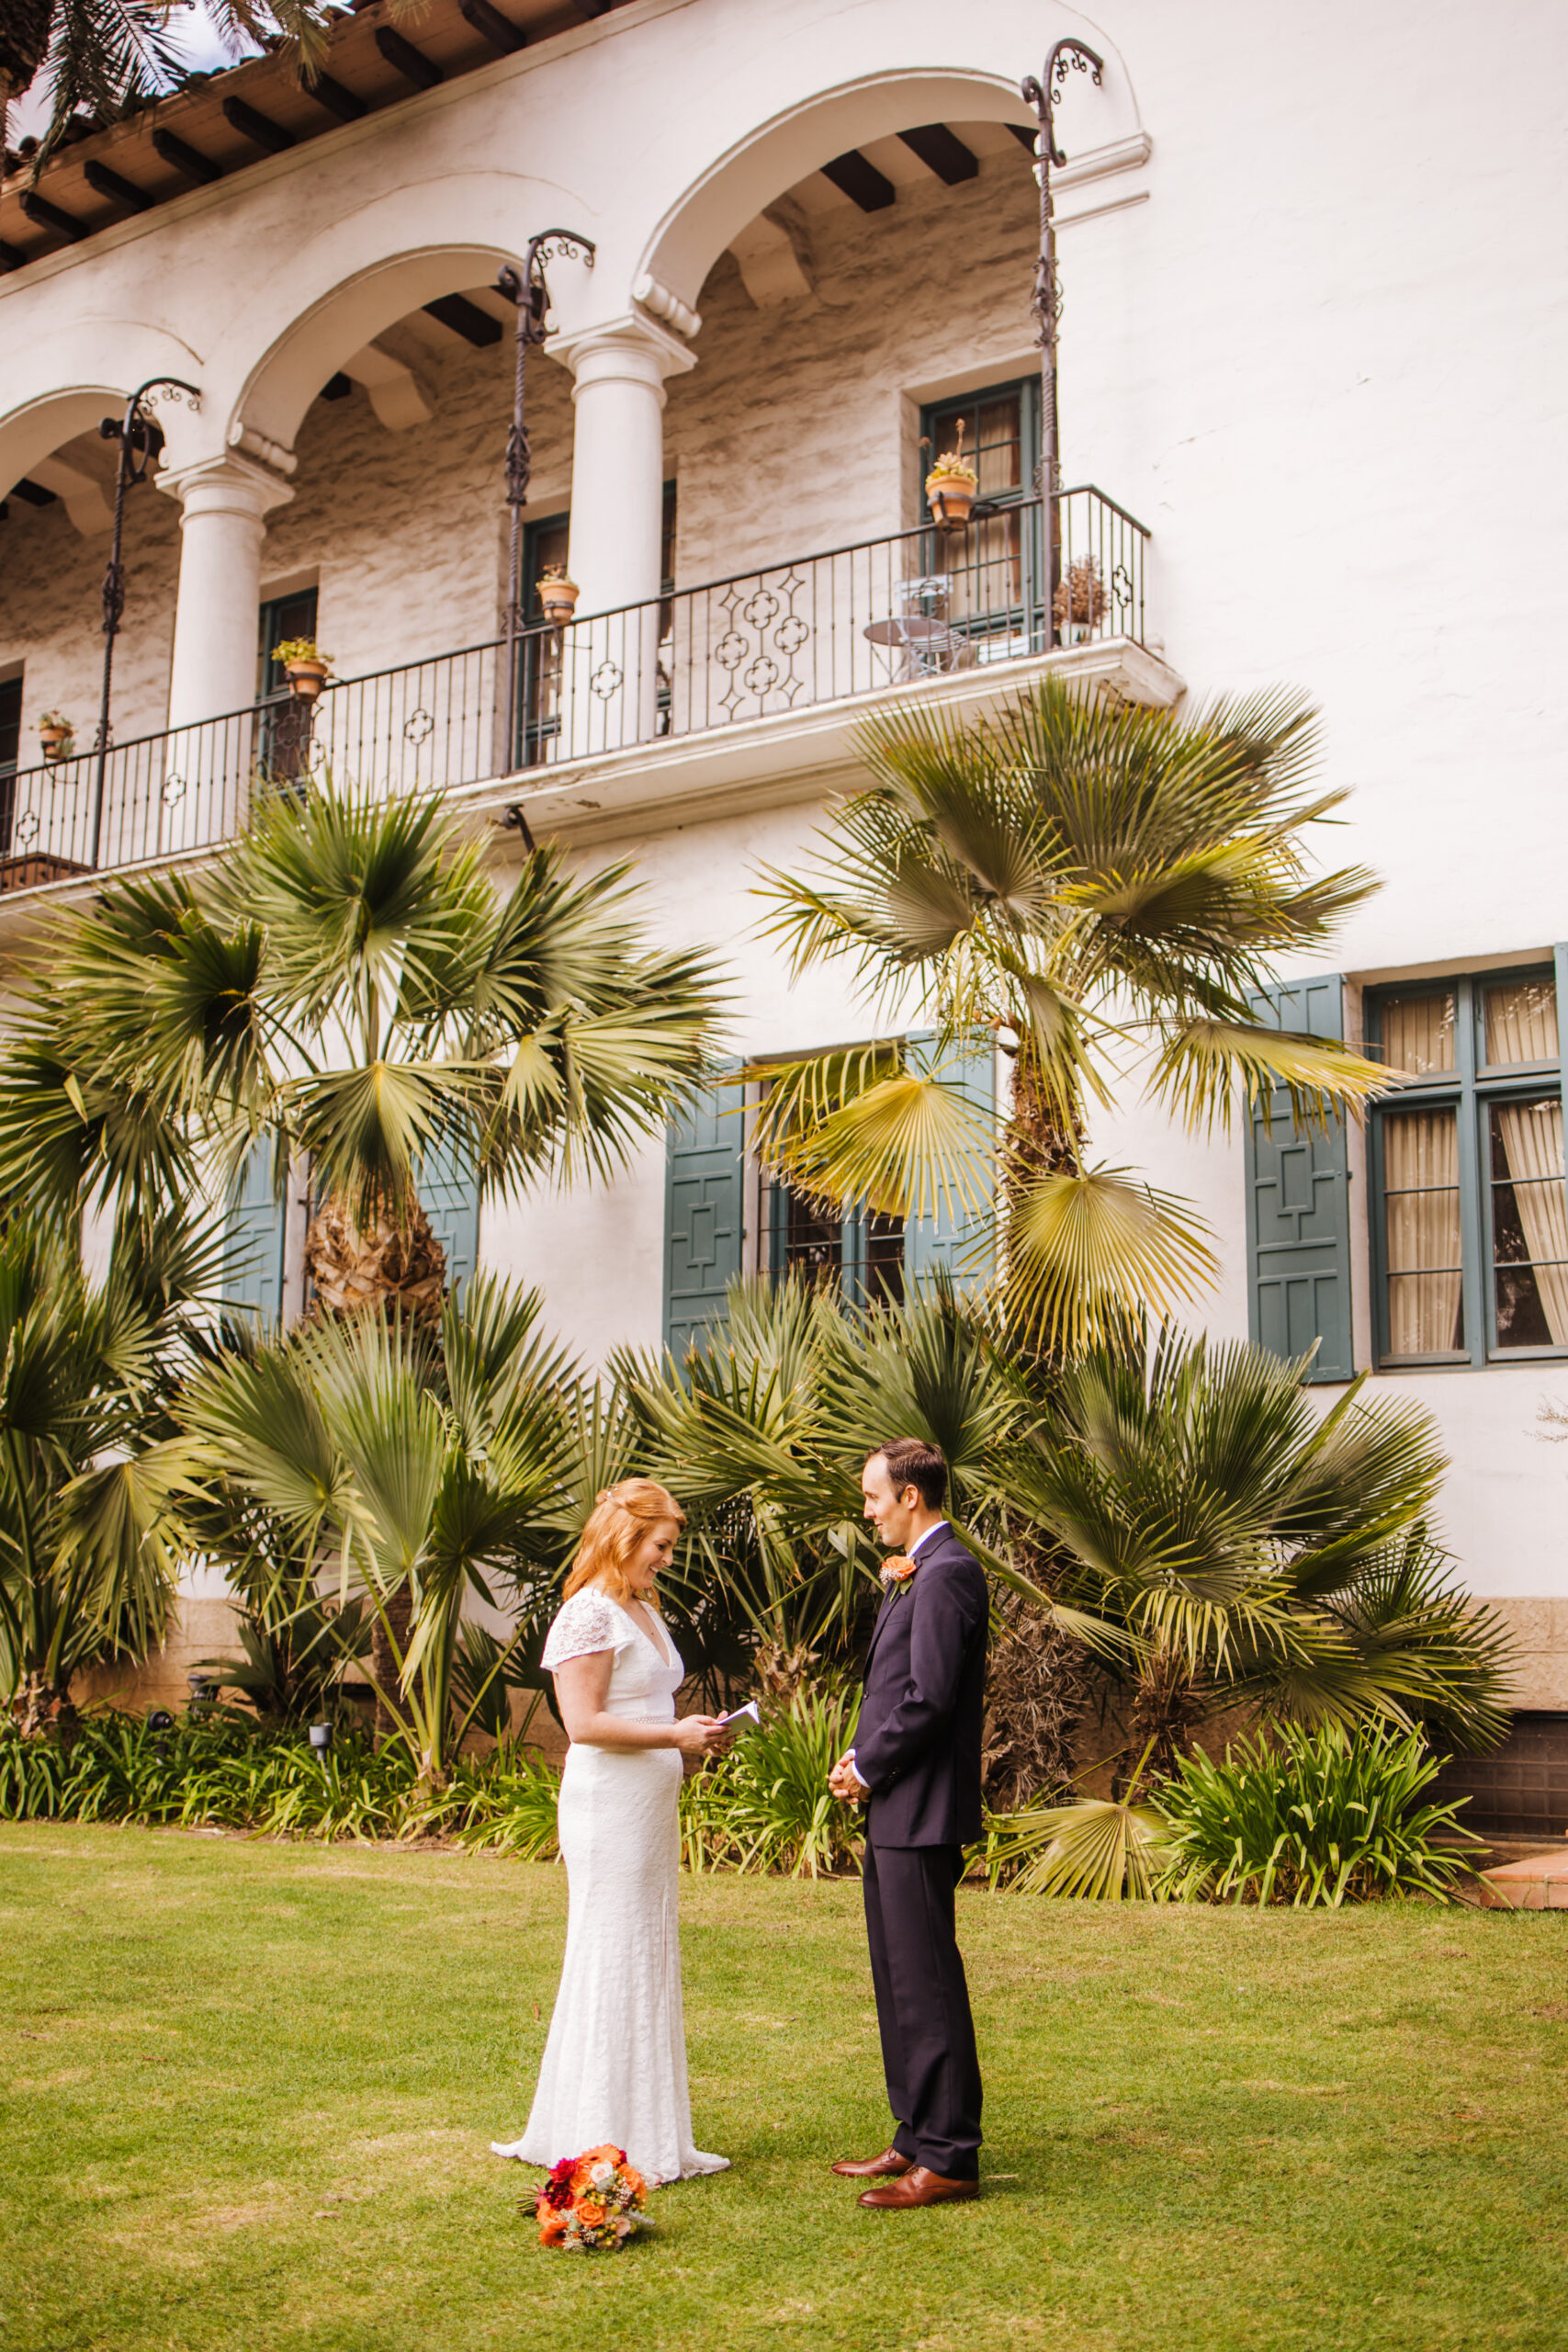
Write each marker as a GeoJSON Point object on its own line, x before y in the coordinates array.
{"type": "Point", "coordinates": [504, 1804]}
{"type": "Point", "coordinates": [766, 1806]}
{"type": "Point", "coordinates": [1314, 1818]}
{"type": "Point", "coordinates": [225, 1772]}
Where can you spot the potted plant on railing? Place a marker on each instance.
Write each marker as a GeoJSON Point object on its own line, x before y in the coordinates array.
{"type": "Point", "coordinates": [56, 735]}
{"type": "Point", "coordinates": [1079, 605]}
{"type": "Point", "coordinates": [951, 487]}
{"type": "Point", "coordinates": [558, 594]}
{"type": "Point", "coordinates": [305, 666]}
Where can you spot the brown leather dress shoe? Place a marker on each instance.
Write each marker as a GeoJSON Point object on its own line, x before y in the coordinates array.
{"type": "Point", "coordinates": [888, 2166]}
{"type": "Point", "coordinates": [919, 2186]}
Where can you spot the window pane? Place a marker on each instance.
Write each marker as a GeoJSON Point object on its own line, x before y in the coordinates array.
{"type": "Point", "coordinates": [1418, 1033]}
{"type": "Point", "coordinates": [1520, 1023]}
{"type": "Point", "coordinates": [998, 452]}
{"type": "Point", "coordinates": [882, 1279]}
{"type": "Point", "coordinates": [1425, 1302]}
{"type": "Point", "coordinates": [813, 1242]}
{"type": "Point", "coordinates": [1530, 1223]}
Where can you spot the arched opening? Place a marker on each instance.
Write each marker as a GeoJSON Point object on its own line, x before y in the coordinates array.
{"type": "Point", "coordinates": [55, 523]}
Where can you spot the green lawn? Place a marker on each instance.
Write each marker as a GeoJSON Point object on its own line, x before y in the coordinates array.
{"type": "Point", "coordinates": [251, 2088]}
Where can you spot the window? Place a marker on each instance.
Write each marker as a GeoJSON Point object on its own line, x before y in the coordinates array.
{"type": "Point", "coordinates": [545, 544]}
{"type": "Point", "coordinates": [281, 619]}
{"type": "Point", "coordinates": [10, 753]}
{"type": "Point", "coordinates": [861, 1255]}
{"type": "Point", "coordinates": [710, 1178]}
{"type": "Point", "coordinates": [988, 580]}
{"type": "Point", "coordinates": [284, 735]}
{"type": "Point", "coordinates": [1470, 1219]}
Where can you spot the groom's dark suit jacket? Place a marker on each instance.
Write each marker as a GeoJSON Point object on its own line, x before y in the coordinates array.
{"type": "Point", "coordinates": [917, 1739]}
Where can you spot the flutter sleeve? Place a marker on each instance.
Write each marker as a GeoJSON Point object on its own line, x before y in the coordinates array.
{"type": "Point", "coordinates": [586, 1623]}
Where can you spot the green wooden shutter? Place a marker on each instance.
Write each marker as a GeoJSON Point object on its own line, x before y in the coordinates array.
{"type": "Point", "coordinates": [703, 1210]}
{"type": "Point", "coordinates": [1298, 1204]}
{"type": "Point", "coordinates": [253, 1242]}
{"type": "Point", "coordinates": [449, 1195]}
{"type": "Point", "coordinates": [945, 1239]}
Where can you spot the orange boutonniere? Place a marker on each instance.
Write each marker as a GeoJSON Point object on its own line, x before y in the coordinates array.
{"type": "Point", "coordinates": [897, 1572]}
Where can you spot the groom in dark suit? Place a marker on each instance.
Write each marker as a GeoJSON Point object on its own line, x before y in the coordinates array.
{"type": "Point", "coordinates": [916, 1767]}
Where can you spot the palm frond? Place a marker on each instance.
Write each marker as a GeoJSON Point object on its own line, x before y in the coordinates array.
{"type": "Point", "coordinates": [1205, 1064]}
{"type": "Point", "coordinates": [863, 1126]}
{"type": "Point", "coordinates": [1086, 1250]}
{"type": "Point", "coordinates": [1096, 1850]}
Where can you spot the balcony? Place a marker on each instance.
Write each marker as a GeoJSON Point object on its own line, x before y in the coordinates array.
{"type": "Point", "coordinates": [739, 661]}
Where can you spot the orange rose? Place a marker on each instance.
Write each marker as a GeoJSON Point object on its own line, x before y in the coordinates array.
{"type": "Point", "coordinates": [898, 1569]}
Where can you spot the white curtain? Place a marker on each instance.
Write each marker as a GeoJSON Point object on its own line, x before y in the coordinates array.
{"type": "Point", "coordinates": [1531, 1135]}
{"type": "Point", "coordinates": [1418, 1033]}
{"type": "Point", "coordinates": [1421, 1181]}
{"type": "Point", "coordinates": [1521, 1022]}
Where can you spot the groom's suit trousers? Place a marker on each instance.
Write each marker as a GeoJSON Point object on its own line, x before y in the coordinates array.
{"type": "Point", "coordinates": [922, 2005]}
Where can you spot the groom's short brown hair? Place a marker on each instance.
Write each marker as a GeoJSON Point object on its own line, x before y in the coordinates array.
{"type": "Point", "coordinates": [912, 1462]}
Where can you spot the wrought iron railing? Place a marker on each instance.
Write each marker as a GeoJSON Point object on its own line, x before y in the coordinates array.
{"type": "Point", "coordinates": [884, 614]}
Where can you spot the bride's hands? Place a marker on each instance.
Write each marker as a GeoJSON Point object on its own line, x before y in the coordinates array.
{"type": "Point", "coordinates": [702, 1736]}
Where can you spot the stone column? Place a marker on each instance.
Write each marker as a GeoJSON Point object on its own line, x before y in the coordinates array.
{"type": "Point", "coordinates": [225, 502]}
{"type": "Point", "coordinates": [610, 656]}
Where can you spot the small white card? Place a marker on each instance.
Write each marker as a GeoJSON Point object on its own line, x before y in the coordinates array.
{"type": "Point", "coordinates": [744, 1719]}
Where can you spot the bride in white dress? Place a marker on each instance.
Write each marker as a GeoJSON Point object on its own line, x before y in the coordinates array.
{"type": "Point", "coordinates": [614, 2065]}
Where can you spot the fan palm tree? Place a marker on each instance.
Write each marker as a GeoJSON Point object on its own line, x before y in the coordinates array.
{"type": "Point", "coordinates": [1101, 887]}
{"type": "Point", "coordinates": [346, 982]}
{"type": "Point", "coordinates": [395, 1465]}
{"type": "Point", "coordinates": [89, 1546]}
{"type": "Point", "coordinates": [1257, 1551]}
{"type": "Point", "coordinates": [1185, 1516]}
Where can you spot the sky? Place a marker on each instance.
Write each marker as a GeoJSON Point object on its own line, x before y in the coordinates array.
{"type": "Point", "coordinates": [192, 32]}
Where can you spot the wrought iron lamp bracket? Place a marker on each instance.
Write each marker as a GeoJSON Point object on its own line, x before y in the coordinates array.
{"type": "Point", "coordinates": [1068, 56]}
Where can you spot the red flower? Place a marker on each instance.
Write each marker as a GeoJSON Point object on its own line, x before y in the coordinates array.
{"type": "Point", "coordinates": [556, 2194]}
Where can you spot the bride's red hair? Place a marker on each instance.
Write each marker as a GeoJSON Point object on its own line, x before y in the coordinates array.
{"type": "Point", "coordinates": [621, 1517]}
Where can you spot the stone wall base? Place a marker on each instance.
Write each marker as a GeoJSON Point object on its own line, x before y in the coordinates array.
{"type": "Point", "coordinates": [1519, 1790]}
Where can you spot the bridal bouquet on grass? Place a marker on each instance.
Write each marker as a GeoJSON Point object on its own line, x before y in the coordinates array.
{"type": "Point", "coordinates": [592, 2200]}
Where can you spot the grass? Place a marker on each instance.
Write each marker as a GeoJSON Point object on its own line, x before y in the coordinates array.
{"type": "Point", "coordinates": [250, 2089]}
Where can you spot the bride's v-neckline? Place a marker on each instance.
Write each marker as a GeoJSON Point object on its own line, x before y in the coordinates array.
{"type": "Point", "coordinates": [663, 1649]}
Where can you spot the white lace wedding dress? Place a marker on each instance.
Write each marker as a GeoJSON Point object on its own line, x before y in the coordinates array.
{"type": "Point", "coordinates": [614, 2065]}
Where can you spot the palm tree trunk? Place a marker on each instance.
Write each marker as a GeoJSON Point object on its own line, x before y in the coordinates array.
{"type": "Point", "coordinates": [1037, 1695]}
{"type": "Point", "coordinates": [397, 1611]}
{"type": "Point", "coordinates": [396, 1264]}
{"type": "Point", "coordinates": [1166, 1711]}
{"type": "Point", "coordinates": [1035, 1145]}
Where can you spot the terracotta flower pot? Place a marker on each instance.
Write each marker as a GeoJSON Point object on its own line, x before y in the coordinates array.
{"type": "Point", "coordinates": [56, 742]}
{"type": "Point", "coordinates": [306, 678]}
{"type": "Point", "coordinates": [950, 496]}
{"type": "Point", "coordinates": [558, 598]}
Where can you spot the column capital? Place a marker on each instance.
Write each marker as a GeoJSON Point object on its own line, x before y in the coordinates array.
{"type": "Point", "coordinates": [231, 484]}
{"type": "Point", "coordinates": [630, 349]}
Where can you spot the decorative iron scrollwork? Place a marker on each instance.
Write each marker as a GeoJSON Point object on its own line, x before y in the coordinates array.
{"type": "Point", "coordinates": [767, 681]}
{"type": "Point", "coordinates": [418, 728]}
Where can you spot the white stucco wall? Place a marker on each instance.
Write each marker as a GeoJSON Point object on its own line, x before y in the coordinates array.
{"type": "Point", "coordinates": [1317, 342]}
